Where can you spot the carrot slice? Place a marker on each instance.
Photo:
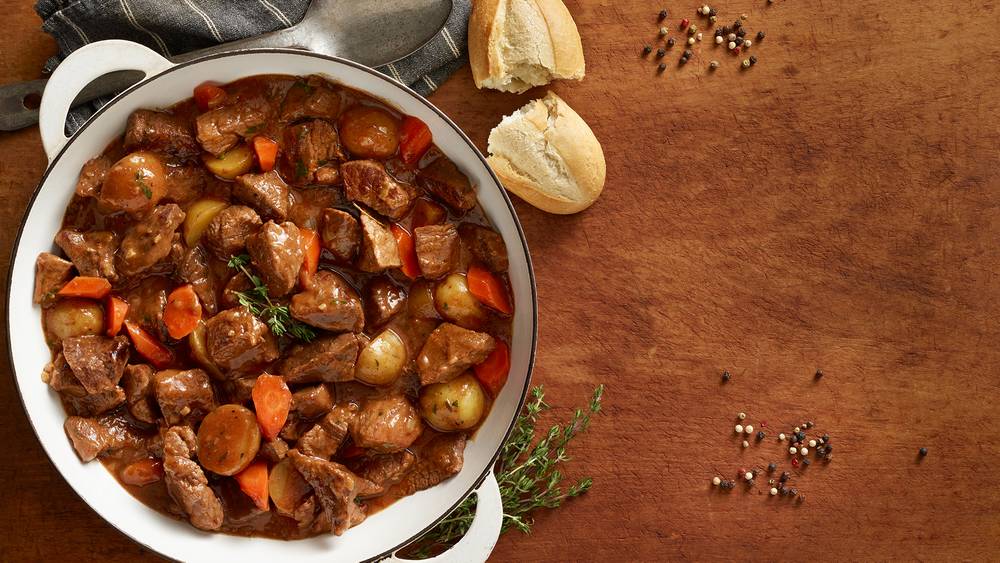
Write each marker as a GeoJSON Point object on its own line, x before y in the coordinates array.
{"type": "Point", "coordinates": [115, 310]}
{"type": "Point", "coordinates": [142, 472]}
{"type": "Point", "coordinates": [272, 401]}
{"type": "Point", "coordinates": [208, 96]}
{"type": "Point", "coordinates": [488, 289]}
{"type": "Point", "coordinates": [149, 347]}
{"type": "Point", "coordinates": [312, 247]}
{"type": "Point", "coordinates": [84, 286]}
{"type": "Point", "coordinates": [267, 152]}
{"type": "Point", "coordinates": [183, 311]}
{"type": "Point", "coordinates": [407, 251]}
{"type": "Point", "coordinates": [414, 140]}
{"type": "Point", "coordinates": [492, 373]}
{"type": "Point", "coordinates": [253, 482]}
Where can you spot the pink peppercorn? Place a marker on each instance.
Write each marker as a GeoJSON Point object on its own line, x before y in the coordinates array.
{"type": "Point", "coordinates": [685, 22]}
{"type": "Point", "coordinates": [795, 462]}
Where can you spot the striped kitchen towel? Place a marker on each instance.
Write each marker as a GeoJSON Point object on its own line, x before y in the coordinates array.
{"type": "Point", "coordinates": [173, 27]}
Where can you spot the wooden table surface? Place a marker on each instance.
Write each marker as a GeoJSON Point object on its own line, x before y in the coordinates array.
{"type": "Point", "coordinates": [837, 207]}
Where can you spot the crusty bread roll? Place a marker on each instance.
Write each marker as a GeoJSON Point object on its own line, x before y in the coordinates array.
{"type": "Point", "coordinates": [517, 44]}
{"type": "Point", "coordinates": [547, 155]}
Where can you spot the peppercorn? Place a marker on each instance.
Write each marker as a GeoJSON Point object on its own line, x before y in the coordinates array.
{"type": "Point", "coordinates": [689, 54]}
{"type": "Point", "coordinates": [781, 437]}
{"type": "Point", "coordinates": [760, 37]}
{"type": "Point", "coordinates": [711, 20]}
{"type": "Point", "coordinates": [793, 492]}
{"type": "Point", "coordinates": [663, 15]}
{"type": "Point", "coordinates": [809, 424]}
{"type": "Point", "coordinates": [783, 491]}
{"type": "Point", "coordinates": [726, 30]}
{"type": "Point", "coordinates": [660, 53]}
{"type": "Point", "coordinates": [769, 2]}
{"type": "Point", "coordinates": [826, 437]}
{"type": "Point", "coordinates": [741, 32]}
{"type": "Point", "coordinates": [718, 33]}
{"type": "Point", "coordinates": [806, 462]}
{"type": "Point", "coordinates": [774, 491]}
{"type": "Point", "coordinates": [698, 36]}
{"type": "Point", "coordinates": [712, 12]}
{"type": "Point", "coordinates": [753, 60]}
{"type": "Point", "coordinates": [784, 476]}
{"type": "Point", "coordinates": [662, 67]}
{"type": "Point", "coordinates": [732, 45]}
{"type": "Point", "coordinates": [812, 443]}
{"type": "Point", "coordinates": [725, 374]}
{"type": "Point", "coordinates": [737, 24]}
{"type": "Point", "coordinates": [746, 63]}
{"type": "Point", "coordinates": [750, 483]}
{"type": "Point", "coordinates": [713, 65]}
{"type": "Point", "coordinates": [771, 467]}
{"type": "Point", "coordinates": [800, 435]}
{"type": "Point", "coordinates": [747, 43]}
{"type": "Point", "coordinates": [690, 41]}
{"type": "Point", "coordinates": [923, 452]}
{"type": "Point", "coordinates": [749, 428]}
{"type": "Point", "coordinates": [745, 443]}
{"type": "Point", "coordinates": [692, 30]}
{"type": "Point", "coordinates": [760, 435]}
{"type": "Point", "coordinates": [717, 481]}
{"type": "Point", "coordinates": [685, 22]}
{"type": "Point", "coordinates": [663, 31]}
{"type": "Point", "coordinates": [705, 10]}
{"type": "Point", "coordinates": [829, 448]}
{"type": "Point", "coordinates": [647, 50]}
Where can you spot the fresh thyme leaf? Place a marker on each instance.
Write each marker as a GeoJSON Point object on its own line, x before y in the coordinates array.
{"type": "Point", "coordinates": [529, 476]}
{"type": "Point", "coordinates": [300, 169]}
{"type": "Point", "coordinates": [140, 180]}
{"type": "Point", "coordinates": [253, 129]}
{"type": "Point", "coordinates": [256, 300]}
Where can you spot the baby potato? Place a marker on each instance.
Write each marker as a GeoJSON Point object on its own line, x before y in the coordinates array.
{"type": "Point", "coordinates": [73, 317]}
{"type": "Point", "coordinates": [453, 405]}
{"type": "Point", "coordinates": [228, 439]}
{"type": "Point", "coordinates": [456, 303]}
{"type": "Point", "coordinates": [199, 215]}
{"type": "Point", "coordinates": [134, 184]}
{"type": "Point", "coordinates": [382, 360]}
{"type": "Point", "coordinates": [287, 487]}
{"type": "Point", "coordinates": [230, 164]}
{"type": "Point", "coordinates": [369, 132]}
{"type": "Point", "coordinates": [421, 300]}
{"type": "Point", "coordinates": [199, 351]}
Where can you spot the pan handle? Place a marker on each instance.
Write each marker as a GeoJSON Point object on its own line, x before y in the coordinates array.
{"type": "Point", "coordinates": [479, 541]}
{"type": "Point", "coordinates": [80, 69]}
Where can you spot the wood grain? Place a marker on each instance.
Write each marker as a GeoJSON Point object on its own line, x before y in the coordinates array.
{"type": "Point", "coordinates": [835, 207]}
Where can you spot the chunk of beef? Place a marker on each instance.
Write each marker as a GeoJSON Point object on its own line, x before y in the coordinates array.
{"type": "Point", "coordinates": [93, 437]}
{"type": "Point", "coordinates": [383, 470]}
{"type": "Point", "coordinates": [335, 487]}
{"type": "Point", "coordinates": [329, 303]}
{"type": "Point", "coordinates": [147, 302]}
{"type": "Point", "coordinates": [238, 391]}
{"type": "Point", "coordinates": [185, 397]}
{"type": "Point", "coordinates": [383, 299]}
{"type": "Point", "coordinates": [326, 436]}
{"type": "Point", "coordinates": [77, 400]}
{"type": "Point", "coordinates": [387, 424]}
{"type": "Point", "coordinates": [97, 361]}
{"type": "Point", "coordinates": [443, 179]}
{"type": "Point", "coordinates": [51, 273]}
{"type": "Point", "coordinates": [449, 351]}
{"type": "Point", "coordinates": [220, 129]}
{"type": "Point", "coordinates": [329, 358]}
{"type": "Point", "coordinates": [191, 266]}
{"type": "Point", "coordinates": [310, 98]}
{"type": "Point", "coordinates": [368, 182]}
{"type": "Point", "coordinates": [236, 339]}
{"type": "Point", "coordinates": [59, 376]}
{"type": "Point", "coordinates": [379, 250]}
{"type": "Point", "coordinates": [227, 233]}
{"type": "Point", "coordinates": [276, 252]}
{"type": "Point", "coordinates": [437, 249]}
{"type": "Point", "coordinates": [161, 132]}
{"type": "Point", "coordinates": [313, 153]}
{"type": "Point", "coordinates": [186, 481]}
{"type": "Point", "coordinates": [440, 458]}
{"type": "Point", "coordinates": [92, 175]}
{"type": "Point", "coordinates": [149, 241]}
{"type": "Point", "coordinates": [267, 193]}
{"type": "Point", "coordinates": [485, 245]}
{"type": "Point", "coordinates": [274, 450]}
{"type": "Point", "coordinates": [92, 253]}
{"type": "Point", "coordinates": [312, 402]}
{"type": "Point", "coordinates": [236, 284]}
{"type": "Point", "coordinates": [341, 234]}
{"type": "Point", "coordinates": [138, 384]}
{"type": "Point", "coordinates": [184, 183]}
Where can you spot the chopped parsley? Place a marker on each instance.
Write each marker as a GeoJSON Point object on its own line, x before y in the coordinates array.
{"type": "Point", "coordinates": [140, 181]}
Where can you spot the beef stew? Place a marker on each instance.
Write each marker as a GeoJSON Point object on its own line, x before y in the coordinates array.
{"type": "Point", "coordinates": [262, 319]}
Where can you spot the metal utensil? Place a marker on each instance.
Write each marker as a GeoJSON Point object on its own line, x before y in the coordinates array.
{"type": "Point", "coordinates": [371, 32]}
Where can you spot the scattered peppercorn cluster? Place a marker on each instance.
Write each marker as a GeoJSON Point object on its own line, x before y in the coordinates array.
{"type": "Point", "coordinates": [734, 38]}
{"type": "Point", "coordinates": [803, 440]}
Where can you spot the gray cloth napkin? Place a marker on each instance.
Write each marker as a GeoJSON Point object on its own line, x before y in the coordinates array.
{"type": "Point", "coordinates": [171, 27]}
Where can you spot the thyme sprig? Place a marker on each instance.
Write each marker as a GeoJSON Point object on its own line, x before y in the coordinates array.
{"type": "Point", "coordinates": [529, 476]}
{"type": "Point", "coordinates": [257, 301]}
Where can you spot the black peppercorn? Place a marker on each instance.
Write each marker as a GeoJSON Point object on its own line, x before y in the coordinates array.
{"type": "Point", "coordinates": [829, 448]}
{"type": "Point", "coordinates": [718, 33]}
{"type": "Point", "coordinates": [783, 491]}
{"type": "Point", "coordinates": [737, 24]}
{"type": "Point", "coordinates": [741, 33]}
{"type": "Point", "coordinates": [760, 435]}
{"type": "Point", "coordinates": [753, 60]}
{"type": "Point", "coordinates": [660, 53]}
{"type": "Point", "coordinates": [662, 67]}
{"type": "Point", "coordinates": [806, 461]}
{"type": "Point", "coordinates": [800, 436]}
{"type": "Point", "coordinates": [923, 452]}
{"type": "Point", "coordinates": [750, 483]}
{"type": "Point", "coordinates": [683, 60]}
{"type": "Point", "coordinates": [670, 43]}
{"type": "Point", "coordinates": [760, 37]}
{"type": "Point", "coordinates": [663, 15]}
{"type": "Point", "coordinates": [826, 437]}
{"type": "Point", "coordinates": [793, 492]}
{"type": "Point", "coordinates": [784, 476]}
{"type": "Point", "coordinates": [711, 12]}
{"type": "Point", "coordinates": [771, 467]}
{"type": "Point", "coordinates": [647, 50]}
{"type": "Point", "coordinates": [726, 30]}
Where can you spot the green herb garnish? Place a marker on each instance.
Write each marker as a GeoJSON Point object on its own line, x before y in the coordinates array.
{"type": "Point", "coordinates": [300, 169]}
{"type": "Point", "coordinates": [253, 129]}
{"type": "Point", "coordinates": [140, 180]}
{"type": "Point", "coordinates": [257, 301]}
{"type": "Point", "coordinates": [529, 477]}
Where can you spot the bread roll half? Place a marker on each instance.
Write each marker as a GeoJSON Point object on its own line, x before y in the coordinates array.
{"type": "Point", "coordinates": [517, 44]}
{"type": "Point", "coordinates": [547, 155]}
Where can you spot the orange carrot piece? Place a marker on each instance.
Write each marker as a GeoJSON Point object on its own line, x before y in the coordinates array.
{"type": "Point", "coordinates": [208, 96]}
{"type": "Point", "coordinates": [115, 310]}
{"type": "Point", "coordinates": [492, 373]}
{"type": "Point", "coordinates": [183, 311]}
{"type": "Point", "coordinates": [488, 289]}
{"type": "Point", "coordinates": [407, 251]}
{"type": "Point", "coordinates": [85, 286]}
{"type": "Point", "coordinates": [142, 472]}
{"type": "Point", "coordinates": [267, 152]}
{"type": "Point", "coordinates": [414, 140]}
{"type": "Point", "coordinates": [312, 247]}
{"type": "Point", "coordinates": [253, 482]}
{"type": "Point", "coordinates": [148, 346]}
{"type": "Point", "coordinates": [271, 400]}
